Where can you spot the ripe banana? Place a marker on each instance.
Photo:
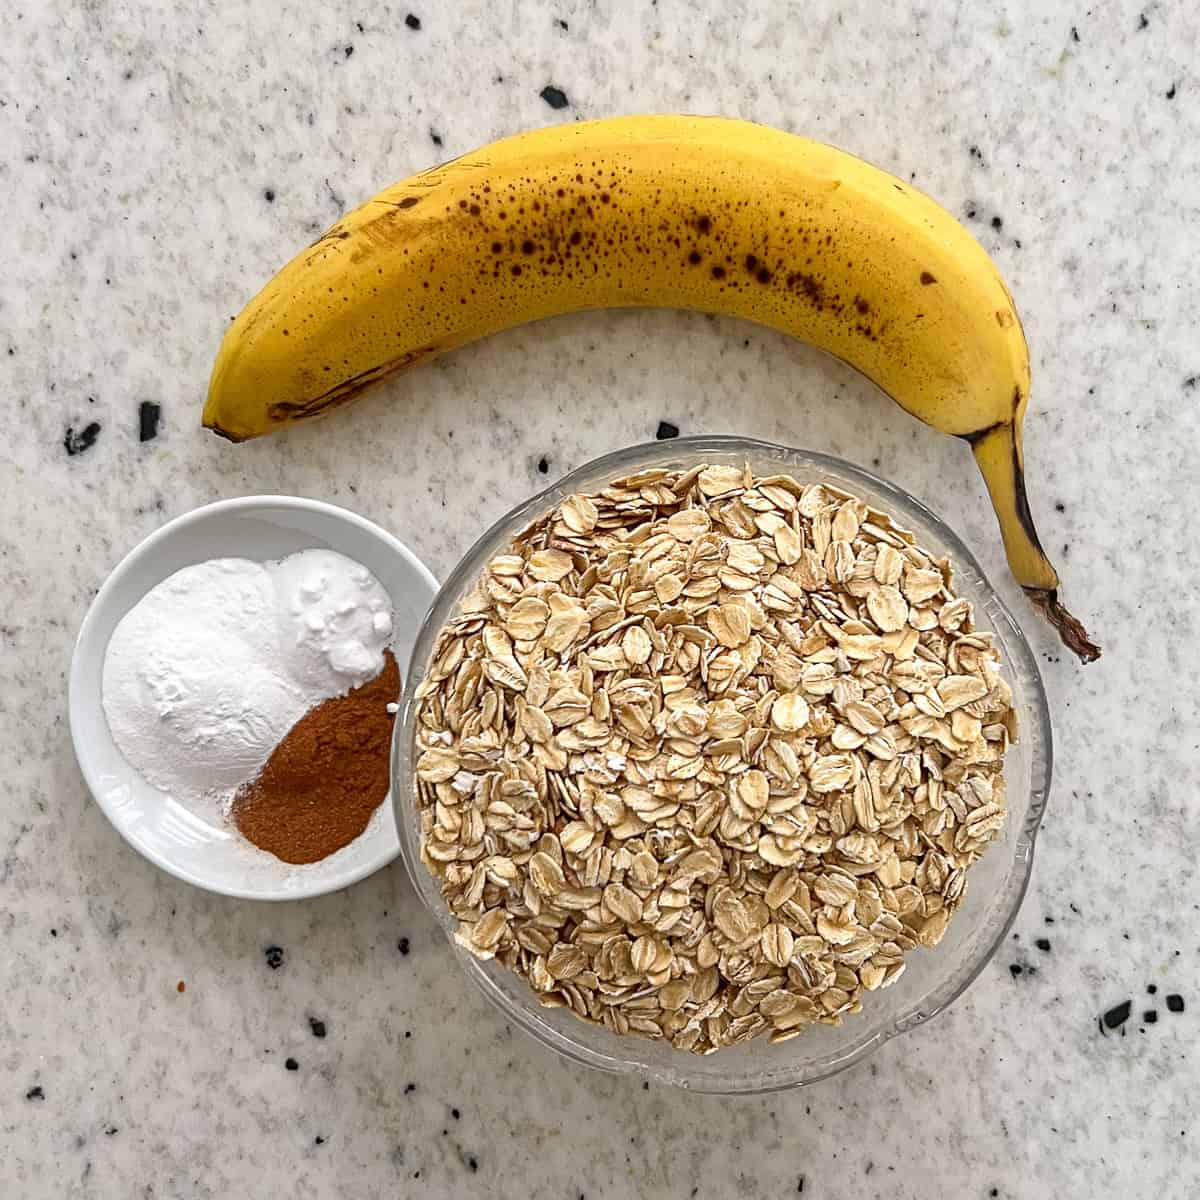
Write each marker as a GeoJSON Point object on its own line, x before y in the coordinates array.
{"type": "Point", "coordinates": [701, 213]}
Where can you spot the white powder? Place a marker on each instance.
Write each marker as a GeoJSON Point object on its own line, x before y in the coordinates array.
{"type": "Point", "coordinates": [205, 676]}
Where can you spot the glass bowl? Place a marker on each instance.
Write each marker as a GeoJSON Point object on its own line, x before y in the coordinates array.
{"type": "Point", "coordinates": [933, 978]}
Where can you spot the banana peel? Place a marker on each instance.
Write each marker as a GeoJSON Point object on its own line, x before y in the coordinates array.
{"type": "Point", "coordinates": [702, 213]}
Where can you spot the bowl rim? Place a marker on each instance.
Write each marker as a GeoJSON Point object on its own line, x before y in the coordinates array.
{"type": "Point", "coordinates": [76, 699]}
{"type": "Point", "coordinates": [625, 460]}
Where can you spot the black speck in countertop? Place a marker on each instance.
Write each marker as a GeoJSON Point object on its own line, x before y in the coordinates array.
{"type": "Point", "coordinates": [408, 1033]}
{"type": "Point", "coordinates": [1074, 34]}
{"type": "Point", "coordinates": [543, 465]}
{"type": "Point", "coordinates": [455, 1114]}
{"type": "Point", "coordinates": [54, 933]}
{"type": "Point", "coordinates": [1015, 969]}
{"type": "Point", "coordinates": [269, 195]}
{"type": "Point", "coordinates": [1059, 506]}
{"type": "Point", "coordinates": [555, 97]}
{"type": "Point", "coordinates": [359, 26]}
{"type": "Point", "coordinates": [473, 1163]}
{"type": "Point", "coordinates": [148, 414]}
{"type": "Point", "coordinates": [76, 443]}
{"type": "Point", "coordinates": [318, 1140]}
{"type": "Point", "coordinates": [665, 430]}
{"type": "Point", "coordinates": [1043, 944]}
{"type": "Point", "coordinates": [111, 1131]}
{"type": "Point", "coordinates": [409, 1088]}
{"type": "Point", "coordinates": [402, 946]}
{"type": "Point", "coordinates": [562, 24]}
{"type": "Point", "coordinates": [290, 1064]}
{"type": "Point", "coordinates": [1189, 382]}
{"type": "Point", "coordinates": [1117, 1015]}
{"type": "Point", "coordinates": [1175, 1002]}
{"type": "Point", "coordinates": [1171, 91]}
{"type": "Point", "coordinates": [348, 50]}
{"type": "Point", "coordinates": [997, 222]}
{"type": "Point", "coordinates": [35, 1093]}
{"type": "Point", "coordinates": [317, 1027]}
{"type": "Point", "coordinates": [274, 957]}
{"type": "Point", "coordinates": [435, 137]}
{"type": "Point", "coordinates": [970, 214]}
{"type": "Point", "coordinates": [800, 1186]}
{"type": "Point", "coordinates": [1143, 22]}
{"type": "Point", "coordinates": [412, 22]}
{"type": "Point", "coordinates": [976, 154]}
{"type": "Point", "coordinates": [1151, 989]}
{"type": "Point", "coordinates": [1149, 1017]}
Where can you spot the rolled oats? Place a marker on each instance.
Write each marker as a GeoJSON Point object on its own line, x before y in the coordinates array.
{"type": "Point", "coordinates": [703, 756]}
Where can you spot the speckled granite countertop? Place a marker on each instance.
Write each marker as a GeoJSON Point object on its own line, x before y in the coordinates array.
{"type": "Point", "coordinates": [160, 161]}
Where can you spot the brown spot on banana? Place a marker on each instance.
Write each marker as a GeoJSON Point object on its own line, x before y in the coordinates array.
{"type": "Point", "coordinates": [342, 392]}
{"type": "Point", "coordinates": [337, 231]}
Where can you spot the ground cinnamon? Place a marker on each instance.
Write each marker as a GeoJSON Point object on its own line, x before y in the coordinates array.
{"type": "Point", "coordinates": [325, 779]}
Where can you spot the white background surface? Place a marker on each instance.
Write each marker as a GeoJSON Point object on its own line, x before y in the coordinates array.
{"type": "Point", "coordinates": [139, 143]}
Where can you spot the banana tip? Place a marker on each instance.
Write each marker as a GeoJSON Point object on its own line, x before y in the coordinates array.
{"type": "Point", "coordinates": [1070, 629]}
{"type": "Point", "coordinates": [229, 437]}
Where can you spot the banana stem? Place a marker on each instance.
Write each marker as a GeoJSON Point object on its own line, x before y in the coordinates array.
{"type": "Point", "coordinates": [1070, 629]}
{"type": "Point", "coordinates": [1000, 459]}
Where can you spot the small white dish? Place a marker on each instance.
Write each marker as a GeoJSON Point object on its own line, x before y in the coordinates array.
{"type": "Point", "coordinates": [215, 856]}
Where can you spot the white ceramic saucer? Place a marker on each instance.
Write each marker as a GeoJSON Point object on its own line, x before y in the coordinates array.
{"type": "Point", "coordinates": [192, 848]}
